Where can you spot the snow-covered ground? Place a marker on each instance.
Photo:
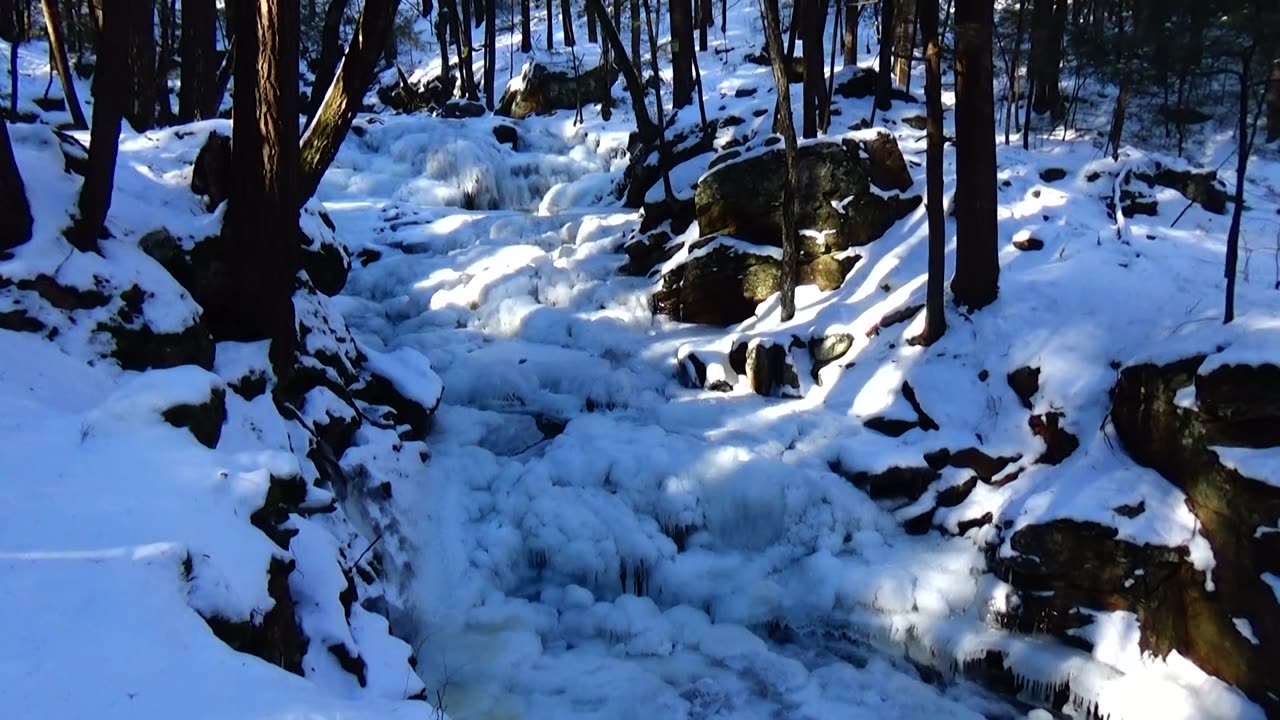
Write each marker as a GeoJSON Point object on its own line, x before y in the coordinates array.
{"type": "Point", "coordinates": [588, 537]}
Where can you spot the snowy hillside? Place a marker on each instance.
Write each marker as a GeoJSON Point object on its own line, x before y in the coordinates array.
{"type": "Point", "coordinates": [504, 485]}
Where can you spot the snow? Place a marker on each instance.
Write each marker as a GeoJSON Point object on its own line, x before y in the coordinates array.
{"type": "Point", "coordinates": [581, 536]}
{"type": "Point", "coordinates": [1261, 464]}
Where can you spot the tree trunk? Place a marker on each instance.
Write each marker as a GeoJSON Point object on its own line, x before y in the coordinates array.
{"type": "Point", "coordinates": [668, 193]}
{"type": "Point", "coordinates": [443, 23]}
{"type": "Point", "coordinates": [976, 281]}
{"type": "Point", "coordinates": [566, 23]}
{"type": "Point", "coordinates": [1117, 119]}
{"type": "Point", "coordinates": [1273, 102]}
{"type": "Point", "coordinates": [645, 126]}
{"type": "Point", "coordinates": [681, 19]}
{"type": "Point", "coordinates": [526, 28]}
{"type": "Point", "coordinates": [141, 108]}
{"type": "Point", "coordinates": [345, 96]}
{"type": "Point", "coordinates": [904, 37]}
{"type": "Point", "coordinates": [635, 32]}
{"type": "Point", "coordinates": [261, 225]}
{"type": "Point", "coordinates": [551, 28]}
{"type": "Point", "coordinates": [8, 24]}
{"type": "Point", "coordinates": [198, 50]}
{"type": "Point", "coordinates": [773, 37]}
{"type": "Point", "coordinates": [490, 50]}
{"type": "Point", "coordinates": [15, 221]}
{"type": "Point", "coordinates": [110, 92]}
{"type": "Point", "coordinates": [884, 79]}
{"type": "Point", "coordinates": [593, 36]}
{"type": "Point", "coordinates": [164, 61]}
{"type": "Point", "coordinates": [705, 21]}
{"type": "Point", "coordinates": [58, 49]}
{"type": "Point", "coordinates": [852, 15]}
{"type": "Point", "coordinates": [330, 55]}
{"type": "Point", "coordinates": [1243, 147]}
{"type": "Point", "coordinates": [462, 43]}
{"type": "Point", "coordinates": [815, 88]}
{"type": "Point", "coordinates": [935, 318]}
{"type": "Point", "coordinates": [1012, 109]}
{"type": "Point", "coordinates": [1047, 25]}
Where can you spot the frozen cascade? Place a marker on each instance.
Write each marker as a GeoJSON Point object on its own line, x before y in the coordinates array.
{"type": "Point", "coordinates": [598, 542]}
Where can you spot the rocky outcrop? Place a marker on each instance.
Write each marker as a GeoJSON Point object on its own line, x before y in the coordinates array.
{"type": "Point", "coordinates": [1066, 566]}
{"type": "Point", "coordinates": [542, 89]}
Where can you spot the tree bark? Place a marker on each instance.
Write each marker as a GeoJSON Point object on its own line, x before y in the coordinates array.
{"type": "Point", "coordinates": [526, 28]}
{"type": "Point", "coordinates": [551, 28]}
{"type": "Point", "coordinates": [645, 126]}
{"type": "Point", "coordinates": [668, 193]}
{"type": "Point", "coordinates": [1047, 24]}
{"type": "Point", "coordinates": [852, 15]}
{"type": "Point", "coordinates": [141, 108]}
{"type": "Point", "coordinates": [1273, 102]}
{"type": "Point", "coordinates": [935, 318]}
{"type": "Point", "coordinates": [681, 19]}
{"type": "Point", "coordinates": [884, 78]}
{"type": "Point", "coordinates": [976, 280]}
{"type": "Point", "coordinates": [593, 36]}
{"type": "Point", "coordinates": [635, 32]}
{"type": "Point", "coordinates": [462, 43]}
{"type": "Point", "coordinates": [1243, 147]}
{"type": "Point", "coordinates": [345, 95]}
{"type": "Point", "coordinates": [1012, 109]}
{"type": "Point", "coordinates": [261, 225]}
{"type": "Point", "coordinates": [58, 48]}
{"type": "Point", "coordinates": [566, 23]}
{"type": "Point", "coordinates": [815, 89]}
{"type": "Point", "coordinates": [330, 55]}
{"type": "Point", "coordinates": [110, 91]}
{"type": "Point", "coordinates": [442, 37]}
{"type": "Point", "coordinates": [904, 37]}
{"type": "Point", "coordinates": [198, 50]}
{"type": "Point", "coordinates": [15, 221]}
{"type": "Point", "coordinates": [490, 51]}
{"type": "Point", "coordinates": [773, 38]}
{"type": "Point", "coordinates": [164, 60]}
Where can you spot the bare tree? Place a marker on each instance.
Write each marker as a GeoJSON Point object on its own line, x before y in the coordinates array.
{"type": "Point", "coordinates": [330, 54]}
{"type": "Point", "coordinates": [15, 221]}
{"type": "Point", "coordinates": [526, 31]}
{"type": "Point", "coordinates": [58, 49]}
{"type": "Point", "coordinates": [884, 80]}
{"type": "Point", "coordinates": [681, 18]}
{"type": "Point", "coordinates": [976, 280]}
{"type": "Point", "coordinates": [110, 90]}
{"type": "Point", "coordinates": [566, 22]}
{"type": "Point", "coordinates": [198, 49]}
{"type": "Point", "coordinates": [140, 107]}
{"type": "Point", "coordinates": [773, 37]}
{"type": "Point", "coordinates": [345, 95]}
{"type": "Point", "coordinates": [1012, 108]}
{"type": "Point", "coordinates": [645, 127]}
{"type": "Point", "coordinates": [935, 318]}
{"type": "Point", "coordinates": [490, 50]}
{"type": "Point", "coordinates": [813, 19]}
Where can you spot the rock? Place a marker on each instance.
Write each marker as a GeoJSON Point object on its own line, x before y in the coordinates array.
{"type": "Point", "coordinates": [904, 483]}
{"type": "Point", "coordinates": [891, 427]}
{"type": "Point", "coordinates": [647, 163]}
{"type": "Point", "coordinates": [828, 349]}
{"type": "Point", "coordinates": [1175, 441]}
{"type": "Point", "coordinates": [1029, 244]}
{"type": "Point", "coordinates": [916, 122]}
{"type": "Point", "coordinates": [1052, 175]}
{"type": "Point", "coordinates": [888, 167]}
{"type": "Point", "coordinates": [1238, 393]}
{"type": "Point", "coordinates": [646, 252]}
{"type": "Point", "coordinates": [740, 198]}
{"type": "Point", "coordinates": [984, 466]}
{"type": "Point", "coordinates": [375, 389]}
{"type": "Point", "coordinates": [506, 135]}
{"type": "Point", "coordinates": [861, 83]}
{"type": "Point", "coordinates": [795, 68]}
{"type": "Point", "coordinates": [922, 418]}
{"type": "Point", "coordinates": [542, 89]}
{"type": "Point", "coordinates": [895, 317]}
{"type": "Point", "coordinates": [324, 259]}
{"type": "Point", "coordinates": [211, 175]}
{"type": "Point", "coordinates": [1198, 187]}
{"type": "Point", "coordinates": [136, 346]}
{"type": "Point", "coordinates": [724, 284]}
{"type": "Point", "coordinates": [276, 635]}
{"type": "Point", "coordinates": [1058, 443]}
{"type": "Point", "coordinates": [460, 108]}
{"type": "Point", "coordinates": [771, 370]}
{"type": "Point", "coordinates": [204, 420]}
{"type": "Point", "coordinates": [1025, 383]}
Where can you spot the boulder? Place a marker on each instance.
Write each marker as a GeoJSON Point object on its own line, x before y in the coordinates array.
{"type": "Point", "coordinates": [1238, 393]}
{"type": "Point", "coordinates": [460, 108]}
{"type": "Point", "coordinates": [1198, 187]}
{"type": "Point", "coordinates": [542, 89]}
{"type": "Point", "coordinates": [1176, 440]}
{"type": "Point", "coordinates": [725, 280]}
{"type": "Point", "coordinates": [204, 420]}
{"type": "Point", "coordinates": [742, 197]}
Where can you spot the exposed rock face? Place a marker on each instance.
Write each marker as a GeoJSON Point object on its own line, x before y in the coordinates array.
{"type": "Point", "coordinates": [741, 198]}
{"type": "Point", "coordinates": [1086, 565]}
{"type": "Point", "coordinates": [204, 420]}
{"type": "Point", "coordinates": [1198, 187]}
{"type": "Point", "coordinates": [543, 89]}
{"type": "Point", "coordinates": [735, 264]}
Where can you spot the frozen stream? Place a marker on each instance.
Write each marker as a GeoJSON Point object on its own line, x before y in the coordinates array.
{"type": "Point", "coordinates": [568, 466]}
